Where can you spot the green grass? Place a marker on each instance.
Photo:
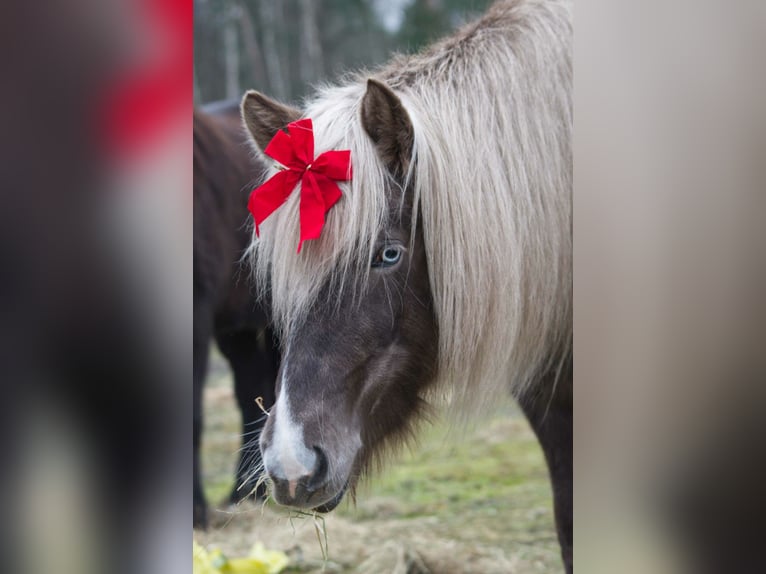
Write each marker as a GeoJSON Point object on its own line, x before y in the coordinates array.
{"type": "Point", "coordinates": [442, 478]}
{"type": "Point", "coordinates": [490, 488]}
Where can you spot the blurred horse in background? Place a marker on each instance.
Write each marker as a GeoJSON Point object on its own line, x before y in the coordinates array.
{"type": "Point", "coordinates": [224, 306]}
{"type": "Point", "coordinates": [445, 269]}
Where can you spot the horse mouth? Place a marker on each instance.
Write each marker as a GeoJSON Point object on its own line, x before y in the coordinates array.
{"type": "Point", "coordinates": [330, 505]}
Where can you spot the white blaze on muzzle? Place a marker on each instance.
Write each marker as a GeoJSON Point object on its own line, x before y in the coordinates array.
{"type": "Point", "coordinates": [287, 457]}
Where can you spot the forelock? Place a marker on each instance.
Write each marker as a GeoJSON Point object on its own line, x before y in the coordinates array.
{"type": "Point", "coordinates": [339, 259]}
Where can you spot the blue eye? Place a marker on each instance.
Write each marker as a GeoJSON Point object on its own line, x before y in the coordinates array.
{"type": "Point", "coordinates": [388, 256]}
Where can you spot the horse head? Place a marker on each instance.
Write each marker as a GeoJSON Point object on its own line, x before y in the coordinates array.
{"type": "Point", "coordinates": [359, 358]}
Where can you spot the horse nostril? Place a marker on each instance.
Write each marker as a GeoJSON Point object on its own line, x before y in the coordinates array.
{"type": "Point", "coordinates": [319, 475]}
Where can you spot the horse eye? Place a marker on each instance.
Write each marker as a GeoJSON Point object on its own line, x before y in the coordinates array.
{"type": "Point", "coordinates": [387, 256]}
{"type": "Point", "coordinates": [391, 255]}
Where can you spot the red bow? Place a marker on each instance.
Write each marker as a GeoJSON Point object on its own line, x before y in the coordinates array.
{"type": "Point", "coordinates": [318, 193]}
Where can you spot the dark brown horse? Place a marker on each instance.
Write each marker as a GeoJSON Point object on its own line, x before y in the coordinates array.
{"type": "Point", "coordinates": [444, 271]}
{"type": "Point", "coordinates": [224, 306]}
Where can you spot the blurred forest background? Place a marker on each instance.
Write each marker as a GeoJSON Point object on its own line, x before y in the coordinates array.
{"type": "Point", "coordinates": [283, 47]}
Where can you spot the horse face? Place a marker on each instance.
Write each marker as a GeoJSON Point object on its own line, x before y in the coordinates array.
{"type": "Point", "coordinates": [352, 377]}
{"type": "Point", "coordinates": [354, 372]}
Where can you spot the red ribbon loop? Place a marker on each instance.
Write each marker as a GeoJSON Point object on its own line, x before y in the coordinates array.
{"type": "Point", "coordinates": [319, 192]}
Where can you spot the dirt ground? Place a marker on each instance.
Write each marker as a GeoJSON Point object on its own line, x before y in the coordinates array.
{"type": "Point", "coordinates": [478, 504]}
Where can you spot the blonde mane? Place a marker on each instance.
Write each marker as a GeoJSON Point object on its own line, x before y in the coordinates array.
{"type": "Point", "coordinates": [491, 174]}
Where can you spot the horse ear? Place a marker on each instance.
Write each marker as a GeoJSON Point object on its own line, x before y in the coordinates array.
{"type": "Point", "coordinates": [264, 117]}
{"type": "Point", "coordinates": [387, 123]}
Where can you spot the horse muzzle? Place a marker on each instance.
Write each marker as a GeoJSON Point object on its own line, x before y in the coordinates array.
{"type": "Point", "coordinates": [300, 487]}
{"type": "Point", "coordinates": [302, 476]}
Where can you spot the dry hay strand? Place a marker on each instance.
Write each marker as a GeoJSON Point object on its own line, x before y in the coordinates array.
{"type": "Point", "coordinates": [394, 558]}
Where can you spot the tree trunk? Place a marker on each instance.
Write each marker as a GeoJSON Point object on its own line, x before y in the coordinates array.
{"type": "Point", "coordinates": [253, 53]}
{"type": "Point", "coordinates": [197, 93]}
{"type": "Point", "coordinates": [269, 11]}
{"type": "Point", "coordinates": [231, 53]}
{"type": "Point", "coordinates": [311, 61]}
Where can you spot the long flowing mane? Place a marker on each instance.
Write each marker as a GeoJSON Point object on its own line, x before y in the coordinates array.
{"type": "Point", "coordinates": [491, 177]}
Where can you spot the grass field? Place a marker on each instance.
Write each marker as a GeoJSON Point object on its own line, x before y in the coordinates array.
{"type": "Point", "coordinates": [479, 503]}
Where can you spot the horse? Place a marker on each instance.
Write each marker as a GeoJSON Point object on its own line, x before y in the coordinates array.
{"type": "Point", "coordinates": [443, 273]}
{"type": "Point", "coordinates": [224, 306]}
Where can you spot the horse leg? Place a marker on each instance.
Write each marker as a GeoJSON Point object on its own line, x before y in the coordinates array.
{"type": "Point", "coordinates": [552, 422]}
{"type": "Point", "coordinates": [201, 349]}
{"type": "Point", "coordinates": [255, 372]}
